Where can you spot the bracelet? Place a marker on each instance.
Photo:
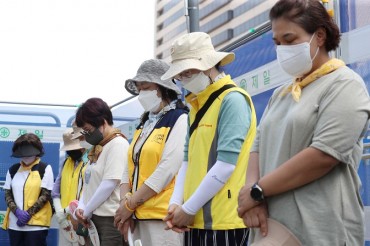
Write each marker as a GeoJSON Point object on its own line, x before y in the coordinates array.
{"type": "Point", "coordinates": [128, 208]}
{"type": "Point", "coordinates": [126, 196]}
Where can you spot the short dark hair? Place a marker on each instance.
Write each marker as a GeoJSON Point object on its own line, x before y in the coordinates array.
{"type": "Point", "coordinates": [310, 15]}
{"type": "Point", "coordinates": [171, 95]}
{"type": "Point", "coordinates": [167, 94]}
{"type": "Point", "coordinates": [29, 139]}
{"type": "Point", "coordinates": [94, 111]}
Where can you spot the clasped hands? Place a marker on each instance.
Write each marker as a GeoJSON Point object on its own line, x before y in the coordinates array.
{"type": "Point", "coordinates": [81, 218]}
{"type": "Point", "coordinates": [122, 219]}
{"type": "Point", "coordinates": [177, 220]}
{"type": "Point", "coordinates": [23, 217]}
{"type": "Point", "coordinates": [254, 214]}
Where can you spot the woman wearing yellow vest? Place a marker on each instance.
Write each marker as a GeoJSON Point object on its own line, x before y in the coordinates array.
{"type": "Point", "coordinates": [28, 188]}
{"type": "Point", "coordinates": [222, 126]}
{"type": "Point", "coordinates": [303, 166]}
{"type": "Point", "coordinates": [154, 156]}
{"type": "Point", "coordinates": [68, 186]}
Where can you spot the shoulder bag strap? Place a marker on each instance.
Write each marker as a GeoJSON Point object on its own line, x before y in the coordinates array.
{"type": "Point", "coordinates": [205, 107]}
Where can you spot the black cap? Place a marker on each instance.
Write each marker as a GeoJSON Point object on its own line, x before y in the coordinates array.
{"type": "Point", "coordinates": [26, 151]}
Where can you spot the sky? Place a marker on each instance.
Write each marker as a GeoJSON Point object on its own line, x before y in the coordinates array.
{"type": "Point", "coordinates": [66, 51]}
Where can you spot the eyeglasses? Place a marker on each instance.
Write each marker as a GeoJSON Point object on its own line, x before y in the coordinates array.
{"type": "Point", "coordinates": [87, 132]}
{"type": "Point", "coordinates": [186, 74]}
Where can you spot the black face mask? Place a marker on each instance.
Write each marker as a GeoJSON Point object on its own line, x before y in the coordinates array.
{"type": "Point", "coordinates": [75, 154]}
{"type": "Point", "coordinates": [95, 137]}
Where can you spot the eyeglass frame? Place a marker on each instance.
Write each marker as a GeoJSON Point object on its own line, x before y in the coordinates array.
{"type": "Point", "coordinates": [186, 74]}
{"type": "Point", "coordinates": [87, 132]}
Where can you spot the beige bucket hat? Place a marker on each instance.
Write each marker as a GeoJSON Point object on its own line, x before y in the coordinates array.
{"type": "Point", "coordinates": [151, 71]}
{"type": "Point", "coordinates": [195, 51]}
{"type": "Point", "coordinates": [69, 143]}
{"type": "Point", "coordinates": [76, 131]}
{"type": "Point", "coordinates": [278, 235]}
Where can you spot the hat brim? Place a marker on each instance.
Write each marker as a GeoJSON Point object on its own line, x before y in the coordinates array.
{"type": "Point", "coordinates": [131, 87]}
{"type": "Point", "coordinates": [204, 63]}
{"type": "Point", "coordinates": [71, 146]}
{"type": "Point", "coordinates": [25, 151]}
{"type": "Point", "coordinates": [76, 135]}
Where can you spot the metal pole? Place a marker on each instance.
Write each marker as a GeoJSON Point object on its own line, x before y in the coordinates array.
{"type": "Point", "coordinates": [192, 13]}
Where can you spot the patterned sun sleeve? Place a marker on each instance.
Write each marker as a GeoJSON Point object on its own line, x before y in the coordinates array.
{"type": "Point", "coordinates": [10, 200]}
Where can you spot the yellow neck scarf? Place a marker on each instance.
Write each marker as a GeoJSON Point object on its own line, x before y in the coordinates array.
{"type": "Point", "coordinates": [97, 149]}
{"type": "Point", "coordinates": [298, 84]}
{"type": "Point", "coordinates": [25, 167]}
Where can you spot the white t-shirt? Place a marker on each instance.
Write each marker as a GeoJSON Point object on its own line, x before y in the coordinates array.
{"type": "Point", "coordinates": [110, 165]}
{"type": "Point", "coordinates": [17, 184]}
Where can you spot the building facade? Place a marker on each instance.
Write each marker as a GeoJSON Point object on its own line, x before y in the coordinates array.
{"type": "Point", "coordinates": [225, 20]}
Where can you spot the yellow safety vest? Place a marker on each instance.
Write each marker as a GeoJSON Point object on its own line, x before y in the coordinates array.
{"type": "Point", "coordinates": [69, 181]}
{"type": "Point", "coordinates": [32, 189]}
{"type": "Point", "coordinates": [220, 213]}
{"type": "Point", "coordinates": [148, 158]}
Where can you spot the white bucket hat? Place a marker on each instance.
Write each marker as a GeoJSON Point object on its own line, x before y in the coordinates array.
{"type": "Point", "coordinates": [151, 71]}
{"type": "Point", "coordinates": [195, 51]}
{"type": "Point", "coordinates": [69, 143]}
{"type": "Point", "coordinates": [277, 235]}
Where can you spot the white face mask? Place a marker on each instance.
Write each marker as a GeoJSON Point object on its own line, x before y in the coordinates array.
{"type": "Point", "coordinates": [296, 59]}
{"type": "Point", "coordinates": [196, 83]}
{"type": "Point", "coordinates": [149, 100]}
{"type": "Point", "coordinates": [28, 160]}
{"type": "Point", "coordinates": [85, 145]}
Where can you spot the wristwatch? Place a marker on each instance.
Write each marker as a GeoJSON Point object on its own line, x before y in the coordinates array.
{"type": "Point", "coordinates": [257, 193]}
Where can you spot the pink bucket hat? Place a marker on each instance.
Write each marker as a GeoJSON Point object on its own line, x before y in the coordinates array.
{"type": "Point", "coordinates": [195, 51]}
